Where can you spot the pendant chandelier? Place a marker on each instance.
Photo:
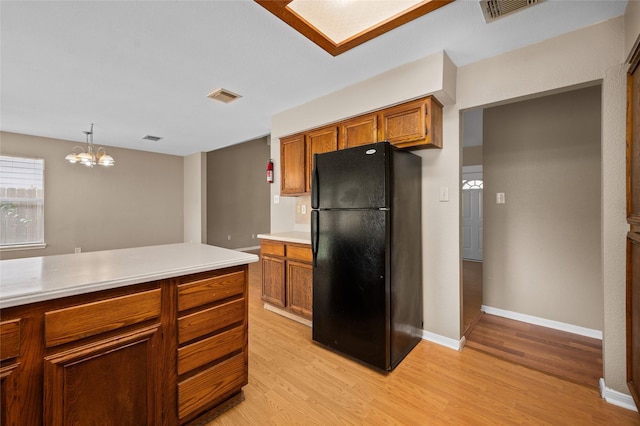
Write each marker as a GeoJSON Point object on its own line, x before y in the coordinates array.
{"type": "Point", "coordinates": [91, 156]}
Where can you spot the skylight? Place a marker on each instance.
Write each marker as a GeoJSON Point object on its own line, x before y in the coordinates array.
{"type": "Point", "coordinates": [340, 25]}
{"type": "Point", "coordinates": [343, 19]}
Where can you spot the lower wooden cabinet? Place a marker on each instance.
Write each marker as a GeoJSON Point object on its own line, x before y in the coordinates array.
{"type": "Point", "coordinates": [213, 362]}
{"type": "Point", "coordinates": [273, 273]}
{"type": "Point", "coordinates": [300, 288]}
{"type": "Point", "coordinates": [158, 353]}
{"type": "Point", "coordinates": [114, 380]}
{"type": "Point", "coordinates": [287, 276]}
{"type": "Point", "coordinates": [9, 353]}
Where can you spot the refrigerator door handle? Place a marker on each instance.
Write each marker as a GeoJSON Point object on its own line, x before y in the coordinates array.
{"type": "Point", "coordinates": [314, 235]}
{"type": "Point", "coordinates": [315, 196]}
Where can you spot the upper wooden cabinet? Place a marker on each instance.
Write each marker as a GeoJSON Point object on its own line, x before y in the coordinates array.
{"type": "Point", "coordinates": [318, 141]}
{"type": "Point", "coordinates": [358, 131]}
{"type": "Point", "coordinates": [416, 124]}
{"type": "Point", "coordinates": [292, 165]}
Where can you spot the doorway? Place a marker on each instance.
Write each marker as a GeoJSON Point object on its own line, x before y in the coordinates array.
{"type": "Point", "coordinates": [541, 260]}
{"type": "Point", "coordinates": [472, 219]}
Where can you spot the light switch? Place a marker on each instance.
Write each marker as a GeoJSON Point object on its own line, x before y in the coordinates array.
{"type": "Point", "coordinates": [444, 193]}
{"type": "Point", "coordinates": [500, 198]}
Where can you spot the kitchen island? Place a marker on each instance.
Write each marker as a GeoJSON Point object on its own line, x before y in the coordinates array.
{"type": "Point", "coordinates": [151, 335]}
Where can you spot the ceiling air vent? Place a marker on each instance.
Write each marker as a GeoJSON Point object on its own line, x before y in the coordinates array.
{"type": "Point", "coordinates": [151, 138]}
{"type": "Point", "coordinates": [494, 9]}
{"type": "Point", "coordinates": [223, 95]}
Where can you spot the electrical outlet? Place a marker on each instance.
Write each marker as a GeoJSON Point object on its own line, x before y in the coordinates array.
{"type": "Point", "coordinates": [500, 199]}
{"type": "Point", "coordinates": [78, 250]}
{"type": "Point", "coordinates": [304, 209]}
{"type": "Point", "coordinates": [276, 199]}
{"type": "Point", "coordinates": [229, 237]}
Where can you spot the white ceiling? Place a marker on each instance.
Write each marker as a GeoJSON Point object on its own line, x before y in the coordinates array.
{"type": "Point", "coordinates": [145, 67]}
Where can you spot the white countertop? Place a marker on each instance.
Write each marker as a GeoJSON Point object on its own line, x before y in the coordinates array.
{"type": "Point", "coordinates": [35, 279]}
{"type": "Point", "coordinates": [288, 237]}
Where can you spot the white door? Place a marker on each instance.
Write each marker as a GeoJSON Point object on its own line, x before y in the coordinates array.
{"type": "Point", "coordinates": [472, 213]}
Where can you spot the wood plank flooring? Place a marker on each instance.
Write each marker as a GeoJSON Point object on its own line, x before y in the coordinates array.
{"type": "Point", "coordinates": [566, 355]}
{"type": "Point", "coordinates": [293, 381]}
{"type": "Point", "coordinates": [471, 294]}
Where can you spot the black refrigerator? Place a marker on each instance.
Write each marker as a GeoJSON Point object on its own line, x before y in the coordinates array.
{"type": "Point", "coordinates": [366, 239]}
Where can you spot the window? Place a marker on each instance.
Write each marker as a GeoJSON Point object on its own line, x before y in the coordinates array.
{"type": "Point", "coordinates": [472, 184]}
{"type": "Point", "coordinates": [21, 202]}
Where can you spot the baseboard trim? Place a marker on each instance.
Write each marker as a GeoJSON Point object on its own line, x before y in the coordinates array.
{"type": "Point", "coordinates": [286, 314]}
{"type": "Point", "coordinates": [248, 248]}
{"type": "Point", "coordinates": [444, 341]}
{"type": "Point", "coordinates": [570, 328]}
{"type": "Point", "coordinates": [617, 398]}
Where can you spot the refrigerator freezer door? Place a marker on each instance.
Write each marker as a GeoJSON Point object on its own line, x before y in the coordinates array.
{"type": "Point", "coordinates": [351, 284]}
{"type": "Point", "coordinates": [354, 178]}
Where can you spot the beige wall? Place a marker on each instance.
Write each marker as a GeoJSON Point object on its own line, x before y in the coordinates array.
{"type": "Point", "coordinates": [238, 194]}
{"type": "Point", "coordinates": [542, 247]}
{"type": "Point", "coordinates": [138, 202]}
{"type": "Point", "coordinates": [195, 198]}
{"type": "Point", "coordinates": [472, 156]}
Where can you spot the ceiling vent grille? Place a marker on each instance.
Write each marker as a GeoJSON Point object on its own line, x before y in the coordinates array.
{"type": "Point", "coordinates": [151, 138]}
{"type": "Point", "coordinates": [494, 9]}
{"type": "Point", "coordinates": [223, 95]}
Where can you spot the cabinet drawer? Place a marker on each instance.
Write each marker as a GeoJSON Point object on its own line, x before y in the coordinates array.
{"type": "Point", "coordinates": [209, 290]}
{"type": "Point", "coordinates": [206, 350]}
{"type": "Point", "coordinates": [214, 384]}
{"type": "Point", "coordinates": [69, 324]}
{"type": "Point", "coordinates": [274, 248]}
{"type": "Point", "coordinates": [210, 320]}
{"type": "Point", "coordinates": [9, 339]}
{"type": "Point", "coordinates": [302, 253]}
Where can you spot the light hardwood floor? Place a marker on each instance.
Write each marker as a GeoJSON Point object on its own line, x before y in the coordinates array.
{"type": "Point", "coordinates": [565, 355]}
{"type": "Point", "coordinates": [471, 294]}
{"type": "Point", "coordinates": [293, 381]}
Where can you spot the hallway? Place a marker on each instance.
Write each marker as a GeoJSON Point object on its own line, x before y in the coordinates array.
{"type": "Point", "coordinates": [565, 355]}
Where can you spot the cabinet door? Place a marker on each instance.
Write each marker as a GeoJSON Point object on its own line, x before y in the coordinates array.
{"type": "Point", "coordinates": [359, 131]}
{"type": "Point", "coordinates": [9, 352]}
{"type": "Point", "coordinates": [273, 290]}
{"type": "Point", "coordinates": [292, 165]}
{"type": "Point", "coordinates": [110, 382]}
{"type": "Point", "coordinates": [9, 407]}
{"type": "Point", "coordinates": [300, 287]}
{"type": "Point", "coordinates": [318, 141]}
{"type": "Point", "coordinates": [413, 124]}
